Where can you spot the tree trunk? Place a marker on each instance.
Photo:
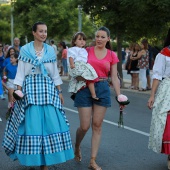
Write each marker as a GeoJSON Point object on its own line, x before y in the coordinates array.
{"type": "Point", "coordinates": [119, 53]}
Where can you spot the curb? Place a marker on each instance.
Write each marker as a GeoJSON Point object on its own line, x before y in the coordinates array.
{"type": "Point", "coordinates": [126, 83]}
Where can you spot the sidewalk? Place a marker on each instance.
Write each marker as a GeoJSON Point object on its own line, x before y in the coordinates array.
{"type": "Point", "coordinates": [126, 82]}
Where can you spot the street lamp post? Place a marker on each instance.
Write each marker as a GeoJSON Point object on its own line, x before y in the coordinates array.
{"type": "Point", "coordinates": [79, 18]}
{"type": "Point", "coordinates": [12, 25]}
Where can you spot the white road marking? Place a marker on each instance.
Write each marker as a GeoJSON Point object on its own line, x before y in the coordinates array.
{"type": "Point", "coordinates": [115, 124]}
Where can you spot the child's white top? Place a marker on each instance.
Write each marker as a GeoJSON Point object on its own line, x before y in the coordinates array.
{"type": "Point", "coordinates": [78, 54]}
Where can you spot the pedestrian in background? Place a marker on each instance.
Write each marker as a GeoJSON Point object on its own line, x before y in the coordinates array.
{"type": "Point", "coordinates": [143, 64]}
{"type": "Point", "coordinates": [16, 45]}
{"type": "Point", "coordinates": [59, 63]}
{"type": "Point", "coordinates": [123, 58]}
{"type": "Point", "coordinates": [150, 67]}
{"type": "Point", "coordinates": [128, 62]}
{"type": "Point", "coordinates": [64, 58]}
{"type": "Point", "coordinates": [134, 70]}
{"type": "Point", "coordinates": [11, 51]}
{"type": "Point", "coordinates": [159, 139]}
{"type": "Point", "coordinates": [10, 72]}
{"type": "Point", "coordinates": [92, 112]}
{"type": "Point", "coordinates": [37, 131]}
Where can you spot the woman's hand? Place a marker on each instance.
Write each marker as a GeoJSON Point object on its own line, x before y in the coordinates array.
{"type": "Point", "coordinates": [122, 106]}
{"type": "Point", "coordinates": [150, 102]}
{"type": "Point", "coordinates": [61, 98]}
{"type": "Point", "coordinates": [79, 78]}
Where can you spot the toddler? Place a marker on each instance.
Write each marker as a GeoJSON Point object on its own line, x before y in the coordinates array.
{"type": "Point", "coordinates": [77, 56]}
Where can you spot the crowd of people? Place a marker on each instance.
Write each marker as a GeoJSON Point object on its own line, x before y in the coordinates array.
{"type": "Point", "coordinates": [139, 62]}
{"type": "Point", "coordinates": [37, 131]}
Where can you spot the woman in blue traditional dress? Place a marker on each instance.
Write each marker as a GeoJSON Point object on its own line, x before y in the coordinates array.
{"type": "Point", "coordinates": [37, 131]}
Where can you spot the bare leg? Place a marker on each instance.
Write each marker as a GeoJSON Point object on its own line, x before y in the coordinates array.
{"type": "Point", "coordinates": [136, 80]}
{"type": "Point", "coordinates": [85, 119]}
{"type": "Point", "coordinates": [98, 116]}
{"type": "Point", "coordinates": [43, 167]}
{"type": "Point", "coordinates": [10, 96]}
{"type": "Point", "coordinates": [133, 80]}
{"type": "Point", "coordinates": [92, 90]}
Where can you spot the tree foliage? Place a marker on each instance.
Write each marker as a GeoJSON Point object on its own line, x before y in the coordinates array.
{"type": "Point", "coordinates": [5, 24]}
{"type": "Point", "coordinates": [60, 16]}
{"type": "Point", "coordinates": [129, 20]}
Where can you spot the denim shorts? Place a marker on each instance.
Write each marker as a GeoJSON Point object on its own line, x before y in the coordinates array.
{"type": "Point", "coordinates": [83, 97]}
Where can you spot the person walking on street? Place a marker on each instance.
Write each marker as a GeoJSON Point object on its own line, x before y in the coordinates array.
{"type": "Point", "coordinates": [37, 131]}
{"type": "Point", "coordinates": [90, 111]}
{"type": "Point", "coordinates": [159, 139]}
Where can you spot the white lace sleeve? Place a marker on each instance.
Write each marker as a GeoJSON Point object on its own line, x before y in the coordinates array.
{"type": "Point", "coordinates": [159, 67]}
{"type": "Point", "coordinates": [54, 74]}
{"type": "Point", "coordinates": [20, 76]}
{"type": "Point", "coordinates": [72, 53]}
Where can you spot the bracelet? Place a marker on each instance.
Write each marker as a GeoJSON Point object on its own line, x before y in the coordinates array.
{"type": "Point", "coordinates": [60, 91]}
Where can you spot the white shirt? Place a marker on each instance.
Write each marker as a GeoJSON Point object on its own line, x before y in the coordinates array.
{"type": "Point", "coordinates": [78, 54]}
{"type": "Point", "coordinates": [25, 69]}
{"type": "Point", "coordinates": [161, 68]}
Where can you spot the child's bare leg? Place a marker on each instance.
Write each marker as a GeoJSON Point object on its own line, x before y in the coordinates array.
{"type": "Point", "coordinates": [92, 91]}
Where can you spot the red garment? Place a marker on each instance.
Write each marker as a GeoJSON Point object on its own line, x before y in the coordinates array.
{"type": "Point", "coordinates": [166, 137]}
{"type": "Point", "coordinates": [64, 53]}
{"type": "Point", "coordinates": [165, 51]}
{"type": "Point", "coordinates": [103, 66]}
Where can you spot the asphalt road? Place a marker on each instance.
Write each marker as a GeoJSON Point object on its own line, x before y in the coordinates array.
{"type": "Point", "coordinates": [121, 148]}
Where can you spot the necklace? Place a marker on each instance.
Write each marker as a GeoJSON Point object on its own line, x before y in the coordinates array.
{"type": "Point", "coordinates": [39, 53]}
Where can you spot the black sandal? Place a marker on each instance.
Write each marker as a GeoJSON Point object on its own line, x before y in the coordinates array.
{"type": "Point", "coordinates": [73, 96]}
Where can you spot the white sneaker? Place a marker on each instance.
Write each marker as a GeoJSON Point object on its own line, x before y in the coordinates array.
{"type": "Point", "coordinates": [0, 120]}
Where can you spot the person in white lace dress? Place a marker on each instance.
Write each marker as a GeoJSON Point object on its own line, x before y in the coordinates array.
{"type": "Point", "coordinates": [159, 101]}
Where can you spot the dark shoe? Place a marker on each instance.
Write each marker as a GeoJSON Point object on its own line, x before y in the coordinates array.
{"type": "Point", "coordinates": [147, 88]}
{"type": "Point", "coordinates": [73, 96]}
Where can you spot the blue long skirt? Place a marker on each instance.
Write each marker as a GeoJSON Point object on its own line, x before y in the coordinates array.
{"type": "Point", "coordinates": [43, 137]}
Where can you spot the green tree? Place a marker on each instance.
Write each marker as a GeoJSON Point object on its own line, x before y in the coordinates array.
{"type": "Point", "coordinates": [60, 16]}
{"type": "Point", "coordinates": [5, 28]}
{"type": "Point", "coordinates": [129, 20]}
